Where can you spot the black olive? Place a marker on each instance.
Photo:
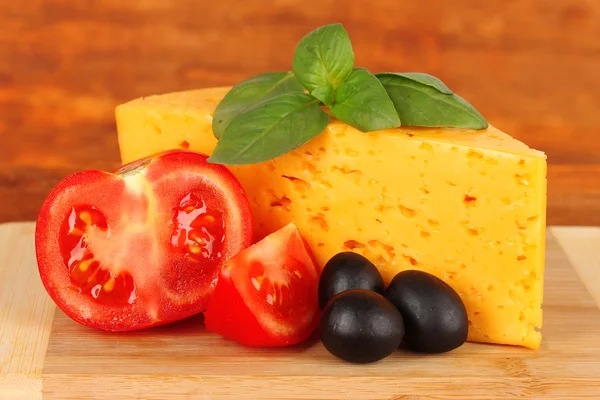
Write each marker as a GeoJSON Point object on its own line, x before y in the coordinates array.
{"type": "Point", "coordinates": [361, 326]}
{"type": "Point", "coordinates": [435, 317]}
{"type": "Point", "coordinates": [346, 271]}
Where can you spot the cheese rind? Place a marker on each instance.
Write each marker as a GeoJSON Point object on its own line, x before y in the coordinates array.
{"type": "Point", "coordinates": [467, 206]}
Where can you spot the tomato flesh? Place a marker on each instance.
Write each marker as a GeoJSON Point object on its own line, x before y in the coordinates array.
{"type": "Point", "coordinates": [273, 286]}
{"type": "Point", "coordinates": [198, 235]}
{"type": "Point", "coordinates": [266, 295]}
{"type": "Point", "coordinates": [144, 246]}
{"type": "Point", "coordinates": [86, 272]}
{"type": "Point", "coordinates": [198, 232]}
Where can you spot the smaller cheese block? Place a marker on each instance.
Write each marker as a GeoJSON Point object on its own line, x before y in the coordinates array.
{"type": "Point", "coordinates": [467, 206]}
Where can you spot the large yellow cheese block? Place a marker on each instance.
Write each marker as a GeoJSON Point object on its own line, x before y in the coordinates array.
{"type": "Point", "coordinates": [467, 206]}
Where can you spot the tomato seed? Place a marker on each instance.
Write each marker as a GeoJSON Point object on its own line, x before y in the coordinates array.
{"type": "Point", "coordinates": [196, 237]}
{"type": "Point", "coordinates": [195, 249]}
{"type": "Point", "coordinates": [86, 217]}
{"type": "Point", "coordinates": [84, 265]}
{"type": "Point", "coordinates": [76, 232]}
{"type": "Point", "coordinates": [108, 286]}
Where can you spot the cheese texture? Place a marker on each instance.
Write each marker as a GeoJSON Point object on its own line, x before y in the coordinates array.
{"type": "Point", "coordinates": [467, 206]}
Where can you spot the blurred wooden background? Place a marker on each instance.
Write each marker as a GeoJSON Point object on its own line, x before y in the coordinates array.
{"type": "Point", "coordinates": [532, 67]}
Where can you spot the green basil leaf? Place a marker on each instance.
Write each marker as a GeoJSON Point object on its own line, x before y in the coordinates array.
{"type": "Point", "coordinates": [250, 92]}
{"type": "Point", "coordinates": [270, 129]}
{"type": "Point", "coordinates": [422, 103]}
{"type": "Point", "coordinates": [362, 102]}
{"type": "Point", "coordinates": [425, 79]}
{"type": "Point", "coordinates": [323, 60]}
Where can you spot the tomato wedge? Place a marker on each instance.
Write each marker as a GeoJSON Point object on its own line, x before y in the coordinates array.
{"type": "Point", "coordinates": [266, 296]}
{"type": "Point", "coordinates": [143, 246]}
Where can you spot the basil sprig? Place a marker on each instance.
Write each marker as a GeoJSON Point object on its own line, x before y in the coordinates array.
{"type": "Point", "coordinates": [323, 60]}
{"type": "Point", "coordinates": [423, 100]}
{"type": "Point", "coordinates": [270, 129]}
{"type": "Point", "coordinates": [362, 102]}
{"type": "Point", "coordinates": [271, 114]}
{"type": "Point", "coordinates": [251, 92]}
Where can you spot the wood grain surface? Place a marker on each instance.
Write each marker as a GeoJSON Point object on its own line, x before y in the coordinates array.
{"type": "Point", "coordinates": [530, 66]}
{"type": "Point", "coordinates": [182, 361]}
{"type": "Point", "coordinates": [26, 314]}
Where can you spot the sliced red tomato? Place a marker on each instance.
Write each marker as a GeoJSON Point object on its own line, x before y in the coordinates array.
{"type": "Point", "coordinates": [143, 246]}
{"type": "Point", "coordinates": [266, 296]}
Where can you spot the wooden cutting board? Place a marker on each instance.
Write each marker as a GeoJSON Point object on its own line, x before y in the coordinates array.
{"type": "Point", "coordinates": [43, 351]}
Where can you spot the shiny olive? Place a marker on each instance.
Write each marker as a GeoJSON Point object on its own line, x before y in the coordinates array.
{"type": "Point", "coordinates": [361, 326]}
{"type": "Point", "coordinates": [346, 271]}
{"type": "Point", "coordinates": [434, 315]}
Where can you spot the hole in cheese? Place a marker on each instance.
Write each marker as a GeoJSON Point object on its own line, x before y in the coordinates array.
{"type": "Point", "coordinates": [351, 152]}
{"type": "Point", "coordinates": [426, 147]}
{"type": "Point", "coordinates": [450, 275]}
{"type": "Point", "coordinates": [523, 179]}
{"type": "Point", "coordinates": [299, 185]}
{"type": "Point", "coordinates": [284, 202]}
{"type": "Point", "coordinates": [347, 171]}
{"type": "Point", "coordinates": [407, 212]}
{"type": "Point", "coordinates": [410, 260]}
{"type": "Point", "coordinates": [433, 222]}
{"type": "Point", "coordinates": [474, 154]}
{"type": "Point", "coordinates": [320, 222]}
{"type": "Point", "coordinates": [469, 200]}
{"type": "Point", "coordinates": [353, 244]}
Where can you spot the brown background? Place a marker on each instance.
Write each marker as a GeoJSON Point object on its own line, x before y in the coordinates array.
{"type": "Point", "coordinates": [532, 67]}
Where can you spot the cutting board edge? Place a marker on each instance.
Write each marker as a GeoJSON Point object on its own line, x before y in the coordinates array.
{"type": "Point", "coordinates": [234, 387]}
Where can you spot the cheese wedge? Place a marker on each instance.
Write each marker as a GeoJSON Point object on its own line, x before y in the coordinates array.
{"type": "Point", "coordinates": [467, 206]}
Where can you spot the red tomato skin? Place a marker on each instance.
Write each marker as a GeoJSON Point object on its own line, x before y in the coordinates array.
{"type": "Point", "coordinates": [105, 190]}
{"type": "Point", "coordinates": [229, 316]}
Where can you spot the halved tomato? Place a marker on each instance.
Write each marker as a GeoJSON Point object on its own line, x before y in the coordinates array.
{"type": "Point", "coordinates": [266, 296]}
{"type": "Point", "coordinates": [143, 246]}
